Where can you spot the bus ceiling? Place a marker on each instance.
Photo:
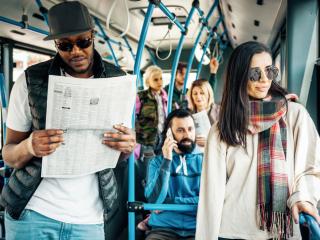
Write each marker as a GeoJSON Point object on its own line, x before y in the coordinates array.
{"type": "Point", "coordinates": [242, 21]}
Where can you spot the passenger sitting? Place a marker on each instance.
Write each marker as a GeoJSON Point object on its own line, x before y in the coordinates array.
{"type": "Point", "coordinates": [174, 177]}
{"type": "Point", "coordinates": [201, 98]}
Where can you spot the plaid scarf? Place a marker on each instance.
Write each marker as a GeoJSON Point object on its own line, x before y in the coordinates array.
{"type": "Point", "coordinates": [266, 119]}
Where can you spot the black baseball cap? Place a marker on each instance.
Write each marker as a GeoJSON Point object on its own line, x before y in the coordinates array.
{"type": "Point", "coordinates": [67, 19]}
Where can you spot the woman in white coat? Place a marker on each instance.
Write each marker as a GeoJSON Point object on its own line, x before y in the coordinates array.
{"type": "Point", "coordinates": [262, 159]}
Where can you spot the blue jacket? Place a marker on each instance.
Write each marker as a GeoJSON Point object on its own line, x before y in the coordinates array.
{"type": "Point", "coordinates": [171, 182]}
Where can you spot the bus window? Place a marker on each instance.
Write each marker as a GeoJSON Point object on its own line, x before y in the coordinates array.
{"type": "Point", "coordinates": [277, 63]}
{"type": "Point", "coordinates": [167, 75]}
{"type": "Point", "coordinates": [23, 59]}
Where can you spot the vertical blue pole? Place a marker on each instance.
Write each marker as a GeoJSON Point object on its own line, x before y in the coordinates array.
{"type": "Point", "coordinates": [195, 44]}
{"type": "Point", "coordinates": [3, 105]}
{"type": "Point", "coordinates": [142, 40]}
{"type": "Point", "coordinates": [107, 40]}
{"type": "Point", "coordinates": [176, 59]}
{"type": "Point", "coordinates": [3, 91]}
{"type": "Point", "coordinates": [136, 70]}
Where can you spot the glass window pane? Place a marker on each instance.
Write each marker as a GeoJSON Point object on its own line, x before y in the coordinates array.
{"type": "Point", "coordinates": [23, 59]}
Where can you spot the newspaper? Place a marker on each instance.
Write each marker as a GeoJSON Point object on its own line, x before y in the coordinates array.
{"type": "Point", "coordinates": [202, 123]}
{"type": "Point", "coordinates": [84, 109]}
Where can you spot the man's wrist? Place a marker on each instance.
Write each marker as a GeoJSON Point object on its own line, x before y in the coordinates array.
{"type": "Point", "coordinates": [28, 144]}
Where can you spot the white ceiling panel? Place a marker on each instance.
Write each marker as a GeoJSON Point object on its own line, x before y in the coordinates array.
{"type": "Point", "coordinates": [244, 12]}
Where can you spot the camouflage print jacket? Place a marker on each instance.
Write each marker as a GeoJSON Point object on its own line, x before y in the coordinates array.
{"type": "Point", "coordinates": [147, 116]}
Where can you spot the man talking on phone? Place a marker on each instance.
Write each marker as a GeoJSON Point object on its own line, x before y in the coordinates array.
{"type": "Point", "coordinates": [173, 177]}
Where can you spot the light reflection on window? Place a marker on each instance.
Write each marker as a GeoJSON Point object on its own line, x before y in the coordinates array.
{"type": "Point", "coordinates": [23, 59]}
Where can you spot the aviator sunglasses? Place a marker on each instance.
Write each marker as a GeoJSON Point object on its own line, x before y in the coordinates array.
{"type": "Point", "coordinates": [68, 46]}
{"type": "Point", "coordinates": [271, 73]}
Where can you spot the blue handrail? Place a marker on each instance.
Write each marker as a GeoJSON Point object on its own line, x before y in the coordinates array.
{"type": "Point", "coordinates": [38, 30]}
{"type": "Point", "coordinates": [170, 207]}
{"type": "Point", "coordinates": [110, 39]}
{"type": "Point", "coordinates": [142, 40]}
{"type": "Point", "coordinates": [22, 25]}
{"type": "Point", "coordinates": [171, 16]}
{"type": "Point", "coordinates": [177, 55]}
{"type": "Point", "coordinates": [131, 197]}
{"type": "Point", "coordinates": [41, 8]}
{"type": "Point", "coordinates": [313, 226]}
{"type": "Point", "coordinates": [4, 105]}
{"type": "Point", "coordinates": [3, 91]}
{"type": "Point", "coordinates": [136, 70]}
{"type": "Point", "coordinates": [107, 39]}
{"type": "Point", "coordinates": [204, 26]}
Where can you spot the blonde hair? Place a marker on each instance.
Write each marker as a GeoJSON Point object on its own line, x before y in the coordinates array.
{"type": "Point", "coordinates": [150, 72]}
{"type": "Point", "coordinates": [205, 87]}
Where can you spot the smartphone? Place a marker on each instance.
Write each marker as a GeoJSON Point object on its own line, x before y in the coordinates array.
{"type": "Point", "coordinates": [169, 133]}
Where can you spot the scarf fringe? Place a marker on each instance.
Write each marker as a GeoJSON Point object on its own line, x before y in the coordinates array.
{"type": "Point", "coordinates": [279, 224]}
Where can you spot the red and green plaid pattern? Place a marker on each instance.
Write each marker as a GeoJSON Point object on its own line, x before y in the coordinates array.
{"type": "Point", "coordinates": [266, 119]}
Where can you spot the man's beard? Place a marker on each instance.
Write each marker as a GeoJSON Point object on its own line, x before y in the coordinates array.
{"type": "Point", "coordinates": [186, 148]}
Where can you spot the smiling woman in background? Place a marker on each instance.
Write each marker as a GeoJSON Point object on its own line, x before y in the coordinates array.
{"type": "Point", "coordinates": [201, 98]}
{"type": "Point", "coordinates": [262, 159]}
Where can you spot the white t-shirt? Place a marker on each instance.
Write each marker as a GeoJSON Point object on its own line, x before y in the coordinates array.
{"type": "Point", "coordinates": [69, 200]}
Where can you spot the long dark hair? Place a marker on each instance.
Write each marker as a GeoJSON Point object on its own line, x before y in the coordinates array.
{"type": "Point", "coordinates": [234, 114]}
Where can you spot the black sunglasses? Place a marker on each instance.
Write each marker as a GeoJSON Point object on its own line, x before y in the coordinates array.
{"type": "Point", "coordinates": [68, 46]}
{"type": "Point", "coordinates": [271, 73]}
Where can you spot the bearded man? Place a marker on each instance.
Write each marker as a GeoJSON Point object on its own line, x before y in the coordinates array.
{"type": "Point", "coordinates": [173, 177]}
